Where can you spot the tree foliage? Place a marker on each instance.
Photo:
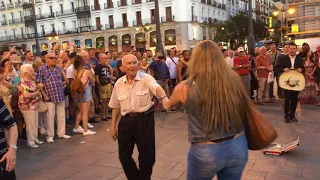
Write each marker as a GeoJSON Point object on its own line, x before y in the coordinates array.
{"type": "Point", "coordinates": [236, 28]}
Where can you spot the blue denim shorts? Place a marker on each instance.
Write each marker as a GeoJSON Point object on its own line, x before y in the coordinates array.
{"type": "Point", "coordinates": [226, 160]}
{"type": "Point", "coordinates": [86, 96]}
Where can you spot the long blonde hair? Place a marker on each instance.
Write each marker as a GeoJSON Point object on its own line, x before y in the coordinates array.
{"type": "Point", "coordinates": [223, 100]}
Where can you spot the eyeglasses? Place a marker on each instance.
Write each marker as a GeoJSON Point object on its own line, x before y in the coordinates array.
{"type": "Point", "coordinates": [52, 58]}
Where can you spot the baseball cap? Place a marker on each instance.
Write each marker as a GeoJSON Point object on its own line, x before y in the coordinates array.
{"type": "Point", "coordinates": [240, 49]}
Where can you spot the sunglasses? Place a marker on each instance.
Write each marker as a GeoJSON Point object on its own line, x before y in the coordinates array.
{"type": "Point", "coordinates": [52, 58]}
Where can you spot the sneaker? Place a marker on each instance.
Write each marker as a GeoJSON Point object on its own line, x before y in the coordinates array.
{"type": "Point", "coordinates": [50, 140]}
{"type": "Point", "coordinates": [78, 130]}
{"type": "Point", "coordinates": [163, 111]}
{"type": "Point", "coordinates": [33, 146]}
{"type": "Point", "coordinates": [43, 131]}
{"type": "Point", "coordinates": [65, 137]}
{"type": "Point", "coordinates": [90, 126]}
{"type": "Point", "coordinates": [38, 142]}
{"type": "Point", "coordinates": [89, 133]}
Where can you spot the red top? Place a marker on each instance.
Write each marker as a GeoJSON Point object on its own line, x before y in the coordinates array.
{"type": "Point", "coordinates": [241, 61]}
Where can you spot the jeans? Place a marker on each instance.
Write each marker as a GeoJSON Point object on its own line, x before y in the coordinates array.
{"type": "Point", "coordinates": [226, 159]}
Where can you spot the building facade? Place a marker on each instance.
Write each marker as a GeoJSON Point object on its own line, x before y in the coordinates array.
{"type": "Point", "coordinates": [113, 25]}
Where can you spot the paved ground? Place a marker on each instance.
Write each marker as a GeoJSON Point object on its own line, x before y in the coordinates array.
{"type": "Point", "coordinates": [96, 158]}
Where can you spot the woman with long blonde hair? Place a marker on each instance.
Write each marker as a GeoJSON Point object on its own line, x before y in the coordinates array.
{"type": "Point", "coordinates": [216, 131]}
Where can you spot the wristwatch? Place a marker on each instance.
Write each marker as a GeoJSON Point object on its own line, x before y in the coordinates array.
{"type": "Point", "coordinates": [14, 147]}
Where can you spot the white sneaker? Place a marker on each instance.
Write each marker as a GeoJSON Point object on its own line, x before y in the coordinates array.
{"type": "Point", "coordinates": [90, 126]}
{"type": "Point", "coordinates": [50, 140]}
{"type": "Point", "coordinates": [33, 146]}
{"type": "Point", "coordinates": [89, 133]}
{"type": "Point", "coordinates": [38, 142]}
{"type": "Point", "coordinates": [78, 130]}
{"type": "Point", "coordinates": [65, 137]}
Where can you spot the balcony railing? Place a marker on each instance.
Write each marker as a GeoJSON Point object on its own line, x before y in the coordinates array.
{"type": "Point", "coordinates": [26, 4]}
{"type": "Point", "coordinates": [18, 4]}
{"type": "Point", "coordinates": [203, 20]}
{"type": "Point", "coordinates": [44, 16]}
{"type": "Point", "coordinates": [122, 3]}
{"type": "Point", "coordinates": [97, 28]}
{"type": "Point", "coordinates": [150, 0]}
{"type": "Point", "coordinates": [95, 7]}
{"type": "Point", "coordinates": [167, 19]}
{"type": "Point", "coordinates": [108, 5]}
{"type": "Point", "coordinates": [15, 21]}
{"type": "Point", "coordinates": [68, 31]}
{"type": "Point", "coordinates": [48, 0]}
{"type": "Point", "coordinates": [109, 26]}
{"type": "Point", "coordinates": [122, 25]}
{"type": "Point", "coordinates": [83, 9]}
{"type": "Point", "coordinates": [10, 6]}
{"type": "Point", "coordinates": [65, 12]}
{"type": "Point", "coordinates": [223, 6]}
{"type": "Point", "coordinates": [85, 29]}
{"type": "Point", "coordinates": [194, 18]}
{"type": "Point", "coordinates": [13, 37]}
{"type": "Point", "coordinates": [4, 23]}
{"type": "Point", "coordinates": [136, 2]}
{"type": "Point", "coordinates": [38, 1]}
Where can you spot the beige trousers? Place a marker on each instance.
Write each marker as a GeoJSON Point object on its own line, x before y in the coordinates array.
{"type": "Point", "coordinates": [264, 89]}
{"type": "Point", "coordinates": [53, 109]}
{"type": "Point", "coordinates": [31, 120]}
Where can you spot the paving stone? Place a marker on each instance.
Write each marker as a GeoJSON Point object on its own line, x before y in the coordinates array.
{"type": "Point", "coordinates": [276, 168]}
{"type": "Point", "coordinates": [96, 173]}
{"type": "Point", "coordinates": [253, 175]}
{"type": "Point", "coordinates": [311, 173]}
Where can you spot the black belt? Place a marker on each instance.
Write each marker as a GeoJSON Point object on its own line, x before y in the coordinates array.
{"type": "Point", "coordinates": [138, 114]}
{"type": "Point", "coordinates": [220, 140]}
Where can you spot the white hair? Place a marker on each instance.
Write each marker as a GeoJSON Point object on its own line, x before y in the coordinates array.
{"type": "Point", "coordinates": [262, 47]}
{"type": "Point", "coordinates": [25, 68]}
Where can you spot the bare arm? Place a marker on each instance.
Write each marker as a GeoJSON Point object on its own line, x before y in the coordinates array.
{"type": "Point", "coordinates": [179, 69]}
{"type": "Point", "coordinates": [114, 118]}
{"type": "Point", "coordinates": [90, 76]}
{"type": "Point", "coordinates": [65, 79]}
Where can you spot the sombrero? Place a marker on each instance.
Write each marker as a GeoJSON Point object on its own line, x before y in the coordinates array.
{"type": "Point", "coordinates": [292, 80]}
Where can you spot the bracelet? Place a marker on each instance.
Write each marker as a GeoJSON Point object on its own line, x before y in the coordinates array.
{"type": "Point", "coordinates": [163, 97]}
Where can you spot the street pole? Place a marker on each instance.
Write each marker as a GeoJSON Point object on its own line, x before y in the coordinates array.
{"type": "Point", "coordinates": [251, 42]}
{"type": "Point", "coordinates": [159, 45]}
{"type": "Point", "coordinates": [35, 28]}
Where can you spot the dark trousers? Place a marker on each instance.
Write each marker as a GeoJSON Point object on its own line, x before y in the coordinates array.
{"type": "Point", "coordinates": [291, 101]}
{"type": "Point", "coordinates": [139, 131]}
{"type": "Point", "coordinates": [5, 175]}
{"type": "Point", "coordinates": [280, 90]}
{"type": "Point", "coordinates": [172, 84]}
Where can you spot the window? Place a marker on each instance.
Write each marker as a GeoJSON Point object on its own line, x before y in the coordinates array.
{"type": "Point", "coordinates": [74, 24]}
{"type": "Point", "coordinates": [153, 16]}
{"type": "Point", "coordinates": [20, 14]}
{"type": "Point", "coordinates": [61, 8]}
{"type": "Point", "coordinates": [124, 20]}
{"type": "Point", "coordinates": [52, 27]}
{"type": "Point", "coordinates": [63, 25]}
{"type": "Point", "coordinates": [72, 6]}
{"type": "Point", "coordinates": [39, 11]}
{"type": "Point", "coordinates": [138, 18]}
{"type": "Point", "coordinates": [21, 30]}
{"type": "Point", "coordinates": [51, 12]}
{"type": "Point", "coordinates": [111, 23]}
{"type": "Point", "coordinates": [12, 15]}
{"type": "Point", "coordinates": [168, 14]}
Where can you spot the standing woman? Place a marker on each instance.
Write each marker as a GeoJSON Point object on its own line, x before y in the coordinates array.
{"type": "Point", "coordinates": [144, 66]}
{"type": "Point", "coordinates": [216, 133]}
{"type": "Point", "coordinates": [309, 93]}
{"type": "Point", "coordinates": [84, 102]}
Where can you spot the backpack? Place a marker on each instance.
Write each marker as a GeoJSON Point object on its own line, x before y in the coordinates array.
{"type": "Point", "coordinates": [77, 87]}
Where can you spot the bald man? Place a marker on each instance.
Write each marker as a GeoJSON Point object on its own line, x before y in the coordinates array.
{"type": "Point", "coordinates": [263, 66]}
{"type": "Point", "coordinates": [132, 97]}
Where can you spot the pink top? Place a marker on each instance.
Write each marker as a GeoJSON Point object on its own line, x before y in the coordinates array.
{"type": "Point", "coordinates": [85, 78]}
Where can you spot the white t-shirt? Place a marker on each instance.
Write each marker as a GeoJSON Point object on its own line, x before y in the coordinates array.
{"type": "Point", "coordinates": [70, 72]}
{"type": "Point", "coordinates": [172, 66]}
{"type": "Point", "coordinates": [229, 61]}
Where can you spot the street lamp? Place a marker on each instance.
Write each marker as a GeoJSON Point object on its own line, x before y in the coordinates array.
{"type": "Point", "coordinates": [283, 25]}
{"type": "Point", "coordinates": [144, 28]}
{"type": "Point", "coordinates": [291, 10]}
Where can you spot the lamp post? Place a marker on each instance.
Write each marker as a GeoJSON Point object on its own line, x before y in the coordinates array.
{"type": "Point", "coordinates": [35, 28]}
{"type": "Point", "coordinates": [283, 24]}
{"type": "Point", "coordinates": [251, 42]}
{"type": "Point", "coordinates": [159, 46]}
{"type": "Point", "coordinates": [144, 29]}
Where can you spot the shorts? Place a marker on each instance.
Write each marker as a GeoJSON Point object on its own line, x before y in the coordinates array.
{"type": "Point", "coordinates": [86, 96]}
{"type": "Point", "coordinates": [105, 91]}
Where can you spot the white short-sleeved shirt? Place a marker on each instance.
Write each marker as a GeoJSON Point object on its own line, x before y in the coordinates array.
{"type": "Point", "coordinates": [172, 66]}
{"type": "Point", "coordinates": [136, 97]}
{"type": "Point", "coordinates": [70, 72]}
{"type": "Point", "coordinates": [229, 61]}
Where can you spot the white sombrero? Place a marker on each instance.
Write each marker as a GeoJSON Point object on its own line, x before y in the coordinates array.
{"type": "Point", "coordinates": [292, 80]}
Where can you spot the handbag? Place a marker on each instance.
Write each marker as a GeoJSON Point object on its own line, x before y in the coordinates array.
{"type": "Point", "coordinates": [259, 131]}
{"type": "Point", "coordinates": [270, 77]}
{"type": "Point", "coordinates": [42, 106]}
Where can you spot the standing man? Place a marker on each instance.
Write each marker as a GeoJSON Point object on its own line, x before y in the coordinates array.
{"type": "Point", "coordinates": [51, 79]}
{"type": "Point", "coordinates": [103, 79]}
{"type": "Point", "coordinates": [28, 55]}
{"type": "Point", "coordinates": [132, 96]}
{"type": "Point", "coordinates": [242, 67]}
{"type": "Point", "coordinates": [149, 56]}
{"type": "Point", "coordinates": [172, 62]}
{"type": "Point", "coordinates": [273, 55]}
{"type": "Point", "coordinates": [277, 74]}
{"type": "Point", "coordinates": [291, 61]}
{"type": "Point", "coordinates": [263, 68]}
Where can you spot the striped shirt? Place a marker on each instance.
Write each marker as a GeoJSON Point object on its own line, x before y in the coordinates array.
{"type": "Point", "coordinates": [6, 121]}
{"type": "Point", "coordinates": [53, 83]}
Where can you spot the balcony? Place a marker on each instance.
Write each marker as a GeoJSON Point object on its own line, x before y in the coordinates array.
{"type": "Point", "coordinates": [65, 12]}
{"type": "Point", "coordinates": [4, 23]}
{"type": "Point", "coordinates": [68, 31]}
{"type": "Point", "coordinates": [13, 37]}
{"type": "Point", "coordinates": [15, 21]}
{"type": "Point", "coordinates": [17, 4]}
{"type": "Point", "coordinates": [214, 3]}
{"type": "Point", "coordinates": [38, 1]}
{"type": "Point", "coordinates": [108, 5]}
{"type": "Point", "coordinates": [44, 16]}
{"type": "Point", "coordinates": [165, 19]}
{"type": "Point", "coordinates": [122, 3]}
{"type": "Point", "coordinates": [150, 0]}
{"type": "Point", "coordinates": [122, 25]}
{"type": "Point", "coordinates": [27, 4]}
{"type": "Point", "coordinates": [85, 29]}
{"type": "Point", "coordinates": [10, 6]}
{"type": "Point", "coordinates": [194, 18]}
{"type": "Point", "coordinates": [203, 20]}
{"type": "Point", "coordinates": [48, 0]}
{"type": "Point", "coordinates": [136, 2]}
{"type": "Point", "coordinates": [97, 28]}
{"type": "Point", "coordinates": [95, 7]}
{"type": "Point", "coordinates": [83, 9]}
{"type": "Point", "coordinates": [109, 26]}
{"type": "Point", "coordinates": [137, 23]}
